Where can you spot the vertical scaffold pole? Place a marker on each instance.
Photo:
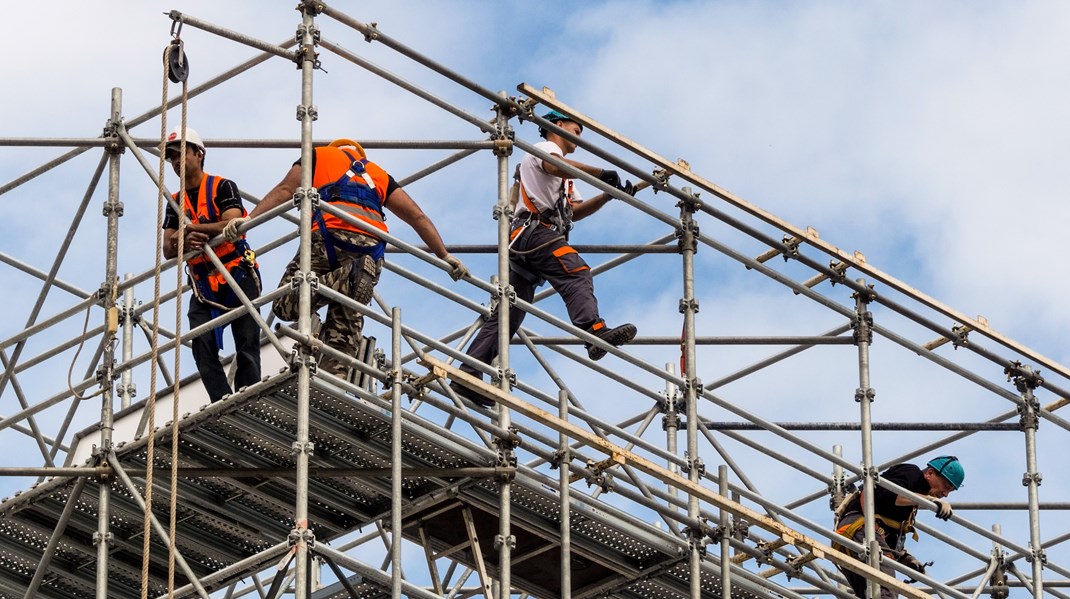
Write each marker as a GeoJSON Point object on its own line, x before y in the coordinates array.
{"type": "Point", "coordinates": [670, 422]}
{"type": "Point", "coordinates": [109, 294]}
{"type": "Point", "coordinates": [863, 336]}
{"type": "Point", "coordinates": [504, 542]}
{"type": "Point", "coordinates": [1025, 380]}
{"type": "Point", "coordinates": [565, 477]}
{"type": "Point", "coordinates": [996, 578]}
{"type": "Point", "coordinates": [395, 452]}
{"type": "Point", "coordinates": [688, 234]}
{"type": "Point", "coordinates": [302, 537]}
{"type": "Point", "coordinates": [127, 390]}
{"type": "Point", "coordinates": [726, 562]}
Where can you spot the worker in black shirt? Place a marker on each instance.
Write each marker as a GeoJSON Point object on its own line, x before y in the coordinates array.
{"type": "Point", "coordinates": [895, 514]}
{"type": "Point", "coordinates": [209, 203]}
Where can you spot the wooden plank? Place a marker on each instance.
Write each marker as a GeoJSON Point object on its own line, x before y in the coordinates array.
{"type": "Point", "coordinates": [622, 456]}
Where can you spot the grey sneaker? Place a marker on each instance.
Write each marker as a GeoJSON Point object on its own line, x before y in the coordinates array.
{"type": "Point", "coordinates": [616, 337]}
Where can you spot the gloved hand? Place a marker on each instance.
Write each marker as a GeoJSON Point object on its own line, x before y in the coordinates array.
{"type": "Point", "coordinates": [911, 562]}
{"type": "Point", "coordinates": [628, 188]}
{"type": "Point", "coordinates": [610, 178]}
{"type": "Point", "coordinates": [458, 270]}
{"type": "Point", "coordinates": [230, 232]}
{"type": "Point", "coordinates": [943, 508]}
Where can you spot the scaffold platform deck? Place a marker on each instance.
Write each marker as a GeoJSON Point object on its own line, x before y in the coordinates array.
{"type": "Point", "coordinates": [226, 519]}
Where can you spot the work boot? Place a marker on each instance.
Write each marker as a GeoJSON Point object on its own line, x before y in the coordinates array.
{"type": "Point", "coordinates": [616, 337]}
{"type": "Point", "coordinates": [470, 396]}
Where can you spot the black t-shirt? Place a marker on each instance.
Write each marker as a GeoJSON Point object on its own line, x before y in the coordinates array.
{"type": "Point", "coordinates": [226, 197]}
{"type": "Point", "coordinates": [390, 186]}
{"type": "Point", "coordinates": [907, 476]}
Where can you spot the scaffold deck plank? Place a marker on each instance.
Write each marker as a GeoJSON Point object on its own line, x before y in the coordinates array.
{"type": "Point", "coordinates": [226, 519]}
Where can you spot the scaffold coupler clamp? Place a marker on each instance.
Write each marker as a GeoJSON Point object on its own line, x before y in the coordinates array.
{"type": "Point", "coordinates": [301, 535]}
{"type": "Point", "coordinates": [695, 463]}
{"type": "Point", "coordinates": [698, 538]}
{"type": "Point", "coordinates": [1037, 554]}
{"type": "Point", "coordinates": [862, 326]}
{"type": "Point", "coordinates": [596, 475]}
{"type": "Point", "coordinates": [1023, 376]}
{"type": "Point", "coordinates": [526, 108]}
{"type": "Point", "coordinates": [868, 394]}
{"type": "Point", "coordinates": [839, 272]}
{"type": "Point", "coordinates": [500, 541]}
{"type": "Point", "coordinates": [661, 179]}
{"type": "Point", "coordinates": [312, 7]}
{"type": "Point", "coordinates": [560, 458]}
{"type": "Point", "coordinates": [961, 336]}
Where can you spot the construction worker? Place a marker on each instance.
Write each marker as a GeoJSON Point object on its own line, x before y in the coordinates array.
{"type": "Point", "coordinates": [346, 258]}
{"type": "Point", "coordinates": [210, 202]}
{"type": "Point", "coordinates": [539, 249]}
{"type": "Point", "coordinates": [895, 514]}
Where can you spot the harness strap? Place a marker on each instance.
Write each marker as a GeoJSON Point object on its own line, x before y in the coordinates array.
{"type": "Point", "coordinates": [330, 242]}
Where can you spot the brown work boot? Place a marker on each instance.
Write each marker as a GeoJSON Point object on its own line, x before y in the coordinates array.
{"type": "Point", "coordinates": [616, 337]}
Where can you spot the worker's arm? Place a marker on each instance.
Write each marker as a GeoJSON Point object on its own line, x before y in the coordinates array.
{"type": "Point", "coordinates": [195, 240]}
{"type": "Point", "coordinates": [213, 229]}
{"type": "Point", "coordinates": [282, 192]}
{"type": "Point", "coordinates": [400, 203]}
{"type": "Point", "coordinates": [582, 210]}
{"type": "Point", "coordinates": [556, 171]}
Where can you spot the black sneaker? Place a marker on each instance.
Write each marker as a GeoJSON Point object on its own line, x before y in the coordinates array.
{"type": "Point", "coordinates": [616, 337]}
{"type": "Point", "coordinates": [469, 395]}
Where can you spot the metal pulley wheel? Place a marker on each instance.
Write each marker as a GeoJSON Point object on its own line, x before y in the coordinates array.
{"type": "Point", "coordinates": [177, 64]}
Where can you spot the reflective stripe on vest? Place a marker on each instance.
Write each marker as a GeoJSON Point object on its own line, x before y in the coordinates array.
{"type": "Point", "coordinates": [338, 175]}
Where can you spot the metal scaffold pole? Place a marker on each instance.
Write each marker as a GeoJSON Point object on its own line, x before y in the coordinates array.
{"type": "Point", "coordinates": [1026, 380]}
{"type": "Point", "coordinates": [863, 336]}
{"type": "Point", "coordinates": [302, 535]}
{"type": "Point", "coordinates": [113, 209]}
{"type": "Point", "coordinates": [504, 542]}
{"type": "Point", "coordinates": [688, 245]}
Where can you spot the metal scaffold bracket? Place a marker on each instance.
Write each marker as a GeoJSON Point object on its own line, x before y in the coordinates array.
{"type": "Point", "coordinates": [868, 394]}
{"type": "Point", "coordinates": [694, 463]}
{"type": "Point", "coordinates": [1023, 376]}
{"type": "Point", "coordinates": [310, 111]}
{"type": "Point", "coordinates": [1028, 479]}
{"type": "Point", "coordinates": [313, 197]}
{"type": "Point", "coordinates": [863, 328]}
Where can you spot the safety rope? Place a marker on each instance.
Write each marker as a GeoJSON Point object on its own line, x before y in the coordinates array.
{"type": "Point", "coordinates": [70, 371]}
{"type": "Point", "coordinates": [150, 404]}
{"type": "Point", "coordinates": [178, 354]}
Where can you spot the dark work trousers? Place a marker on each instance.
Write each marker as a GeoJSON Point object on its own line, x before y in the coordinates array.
{"type": "Point", "coordinates": [246, 342]}
{"type": "Point", "coordinates": [558, 263]}
{"type": "Point", "coordinates": [858, 582]}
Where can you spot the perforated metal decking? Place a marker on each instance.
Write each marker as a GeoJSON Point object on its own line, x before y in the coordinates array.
{"type": "Point", "coordinates": [224, 520]}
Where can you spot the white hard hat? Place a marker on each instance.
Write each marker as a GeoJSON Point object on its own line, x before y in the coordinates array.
{"type": "Point", "coordinates": [175, 136]}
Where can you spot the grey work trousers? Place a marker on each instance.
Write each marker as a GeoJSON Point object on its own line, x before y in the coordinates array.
{"type": "Point", "coordinates": [544, 253]}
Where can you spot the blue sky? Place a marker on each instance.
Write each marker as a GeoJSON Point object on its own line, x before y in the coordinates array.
{"type": "Point", "coordinates": [929, 136]}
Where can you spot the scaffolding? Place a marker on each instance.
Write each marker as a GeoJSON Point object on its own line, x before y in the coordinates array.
{"type": "Point", "coordinates": [563, 489]}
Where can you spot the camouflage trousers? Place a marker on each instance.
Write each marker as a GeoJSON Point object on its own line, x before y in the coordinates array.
{"type": "Point", "coordinates": [354, 277]}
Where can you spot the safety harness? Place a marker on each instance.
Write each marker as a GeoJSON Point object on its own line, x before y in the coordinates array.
{"type": "Point", "coordinates": [558, 218]}
{"type": "Point", "coordinates": [849, 530]}
{"type": "Point", "coordinates": [348, 189]}
{"type": "Point", "coordinates": [209, 285]}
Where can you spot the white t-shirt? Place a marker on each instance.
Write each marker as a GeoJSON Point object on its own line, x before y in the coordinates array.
{"type": "Point", "coordinates": [542, 188]}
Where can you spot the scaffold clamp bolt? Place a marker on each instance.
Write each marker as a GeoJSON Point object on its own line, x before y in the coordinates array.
{"type": "Point", "coordinates": [1028, 478]}
{"type": "Point", "coordinates": [689, 305]}
{"type": "Point", "coordinates": [105, 538]}
{"type": "Point", "coordinates": [299, 448]}
{"type": "Point", "coordinates": [500, 541]}
{"type": "Point", "coordinates": [867, 394]}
